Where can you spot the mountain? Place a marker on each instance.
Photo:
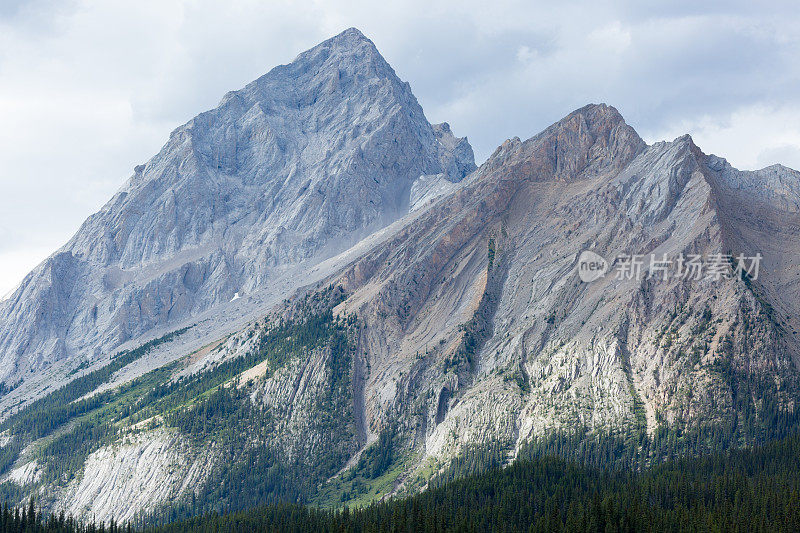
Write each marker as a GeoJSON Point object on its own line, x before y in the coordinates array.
{"type": "Point", "coordinates": [439, 327]}
{"type": "Point", "coordinates": [480, 330]}
{"type": "Point", "coordinates": [292, 169]}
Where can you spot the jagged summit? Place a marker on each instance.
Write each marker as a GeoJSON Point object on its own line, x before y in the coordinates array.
{"type": "Point", "coordinates": [594, 138]}
{"type": "Point", "coordinates": [350, 52]}
{"type": "Point", "coordinates": [294, 168]}
{"type": "Point", "coordinates": [350, 42]}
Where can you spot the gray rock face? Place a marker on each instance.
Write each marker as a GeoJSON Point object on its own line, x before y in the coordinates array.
{"type": "Point", "coordinates": [295, 167]}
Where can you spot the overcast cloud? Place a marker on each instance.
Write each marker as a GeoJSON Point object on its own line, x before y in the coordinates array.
{"type": "Point", "coordinates": [88, 89]}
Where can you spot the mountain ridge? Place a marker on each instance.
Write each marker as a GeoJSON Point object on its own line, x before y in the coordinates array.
{"type": "Point", "coordinates": [421, 315]}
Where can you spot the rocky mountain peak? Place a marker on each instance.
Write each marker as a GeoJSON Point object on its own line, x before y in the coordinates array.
{"type": "Point", "coordinates": [349, 43]}
{"type": "Point", "coordinates": [294, 168]}
{"type": "Point", "coordinates": [591, 140]}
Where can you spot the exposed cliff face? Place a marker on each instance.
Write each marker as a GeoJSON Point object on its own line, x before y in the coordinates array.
{"type": "Point", "coordinates": [294, 168]}
{"type": "Point", "coordinates": [555, 352]}
{"type": "Point", "coordinates": [143, 472]}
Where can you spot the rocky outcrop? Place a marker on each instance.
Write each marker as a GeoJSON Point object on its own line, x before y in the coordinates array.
{"type": "Point", "coordinates": [145, 472]}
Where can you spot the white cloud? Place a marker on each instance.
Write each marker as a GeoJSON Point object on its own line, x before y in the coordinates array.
{"type": "Point", "coordinates": [612, 38]}
{"type": "Point", "coordinates": [90, 88]}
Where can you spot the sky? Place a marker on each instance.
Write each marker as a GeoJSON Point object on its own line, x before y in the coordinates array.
{"type": "Point", "coordinates": [91, 88]}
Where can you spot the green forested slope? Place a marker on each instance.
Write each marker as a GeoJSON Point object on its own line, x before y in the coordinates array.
{"type": "Point", "coordinates": [745, 490]}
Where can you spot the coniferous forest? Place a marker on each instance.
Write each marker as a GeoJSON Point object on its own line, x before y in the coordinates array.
{"type": "Point", "coordinates": [756, 489]}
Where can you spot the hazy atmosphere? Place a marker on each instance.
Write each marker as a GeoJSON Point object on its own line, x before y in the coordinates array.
{"type": "Point", "coordinates": [88, 89]}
